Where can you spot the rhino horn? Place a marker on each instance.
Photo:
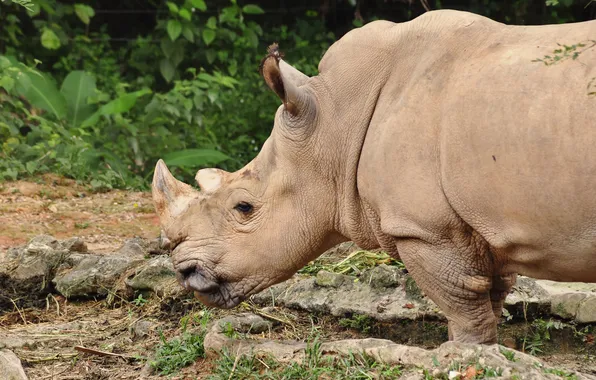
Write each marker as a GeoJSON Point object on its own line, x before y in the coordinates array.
{"type": "Point", "coordinates": [284, 80]}
{"type": "Point", "coordinates": [170, 196]}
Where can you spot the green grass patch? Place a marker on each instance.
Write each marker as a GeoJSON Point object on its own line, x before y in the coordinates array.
{"type": "Point", "coordinates": [359, 322]}
{"type": "Point", "coordinates": [176, 353]}
{"type": "Point", "coordinates": [355, 263]}
{"type": "Point", "coordinates": [315, 366]}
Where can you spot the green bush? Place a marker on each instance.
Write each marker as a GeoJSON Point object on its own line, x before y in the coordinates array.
{"type": "Point", "coordinates": [104, 116]}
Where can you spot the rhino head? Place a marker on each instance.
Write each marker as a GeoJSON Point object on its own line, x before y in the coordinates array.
{"type": "Point", "coordinates": [247, 230]}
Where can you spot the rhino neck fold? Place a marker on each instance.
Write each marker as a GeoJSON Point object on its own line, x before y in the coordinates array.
{"type": "Point", "coordinates": [354, 219]}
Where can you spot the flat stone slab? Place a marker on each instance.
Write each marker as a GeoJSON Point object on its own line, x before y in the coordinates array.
{"type": "Point", "coordinates": [386, 294]}
{"type": "Point", "coordinates": [571, 300]}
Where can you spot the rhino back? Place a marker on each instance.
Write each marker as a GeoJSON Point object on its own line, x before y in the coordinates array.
{"type": "Point", "coordinates": [471, 127]}
{"type": "Point", "coordinates": [518, 159]}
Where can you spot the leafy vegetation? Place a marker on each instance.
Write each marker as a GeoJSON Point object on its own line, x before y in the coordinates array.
{"type": "Point", "coordinates": [510, 355]}
{"type": "Point", "coordinates": [540, 333]}
{"type": "Point", "coordinates": [87, 93]}
{"type": "Point", "coordinates": [77, 106]}
{"type": "Point", "coordinates": [359, 322]}
{"type": "Point", "coordinates": [355, 263]}
{"type": "Point", "coordinates": [176, 353]}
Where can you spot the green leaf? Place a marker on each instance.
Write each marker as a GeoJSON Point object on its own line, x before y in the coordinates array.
{"type": "Point", "coordinates": [185, 14]}
{"type": "Point", "coordinates": [174, 29]}
{"type": "Point", "coordinates": [212, 23]}
{"type": "Point", "coordinates": [208, 36]}
{"type": "Point", "coordinates": [5, 62]}
{"type": "Point", "coordinates": [195, 157]}
{"type": "Point", "coordinates": [34, 10]}
{"type": "Point", "coordinates": [211, 55]}
{"type": "Point", "coordinates": [199, 4]}
{"type": "Point", "coordinates": [177, 55]}
{"type": "Point", "coordinates": [48, 6]}
{"type": "Point", "coordinates": [84, 12]}
{"type": "Point", "coordinates": [252, 9]}
{"type": "Point", "coordinates": [167, 69]}
{"type": "Point", "coordinates": [7, 83]}
{"type": "Point", "coordinates": [173, 7]}
{"type": "Point", "coordinates": [41, 91]}
{"type": "Point", "coordinates": [119, 105]}
{"type": "Point", "coordinates": [49, 39]}
{"type": "Point", "coordinates": [252, 37]}
{"type": "Point", "coordinates": [31, 166]}
{"type": "Point", "coordinates": [188, 33]}
{"type": "Point", "coordinates": [77, 87]}
{"type": "Point", "coordinates": [167, 47]}
{"type": "Point", "coordinates": [233, 67]}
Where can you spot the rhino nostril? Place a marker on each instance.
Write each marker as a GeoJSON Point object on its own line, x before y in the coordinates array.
{"type": "Point", "coordinates": [196, 279]}
{"type": "Point", "coordinates": [186, 272]}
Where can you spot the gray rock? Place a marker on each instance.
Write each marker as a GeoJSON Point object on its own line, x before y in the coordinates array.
{"type": "Point", "coordinates": [26, 272]}
{"type": "Point", "coordinates": [133, 247]}
{"type": "Point", "coordinates": [156, 275]}
{"type": "Point", "coordinates": [586, 312]}
{"type": "Point", "coordinates": [43, 240]}
{"type": "Point", "coordinates": [37, 259]}
{"type": "Point", "coordinates": [412, 290]}
{"type": "Point", "coordinates": [566, 305]}
{"type": "Point", "coordinates": [96, 274]}
{"type": "Point", "coordinates": [571, 300]}
{"type": "Point", "coordinates": [352, 296]}
{"type": "Point", "coordinates": [142, 328]}
{"type": "Point", "coordinates": [384, 276]}
{"type": "Point", "coordinates": [75, 244]}
{"type": "Point", "coordinates": [329, 279]}
{"type": "Point", "coordinates": [139, 245]}
{"type": "Point", "coordinates": [385, 293]}
{"type": "Point", "coordinates": [245, 323]}
{"type": "Point", "coordinates": [12, 341]}
{"type": "Point", "coordinates": [527, 299]}
{"type": "Point", "coordinates": [10, 366]}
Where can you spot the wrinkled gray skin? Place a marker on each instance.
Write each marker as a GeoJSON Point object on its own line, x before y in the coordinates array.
{"type": "Point", "coordinates": [438, 140]}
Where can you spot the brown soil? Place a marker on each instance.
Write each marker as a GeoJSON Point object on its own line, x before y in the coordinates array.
{"type": "Point", "coordinates": [62, 208]}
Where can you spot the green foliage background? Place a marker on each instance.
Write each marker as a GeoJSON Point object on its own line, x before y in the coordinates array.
{"type": "Point", "coordinates": [98, 91]}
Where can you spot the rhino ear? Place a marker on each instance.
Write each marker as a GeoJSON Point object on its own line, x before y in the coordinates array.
{"type": "Point", "coordinates": [285, 81]}
{"type": "Point", "coordinates": [209, 180]}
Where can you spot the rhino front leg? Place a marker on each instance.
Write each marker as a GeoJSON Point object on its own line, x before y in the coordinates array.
{"type": "Point", "coordinates": [501, 287]}
{"type": "Point", "coordinates": [459, 281]}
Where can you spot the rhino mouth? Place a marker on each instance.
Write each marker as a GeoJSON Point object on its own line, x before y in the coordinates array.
{"type": "Point", "coordinates": [210, 290]}
{"type": "Point", "coordinates": [219, 299]}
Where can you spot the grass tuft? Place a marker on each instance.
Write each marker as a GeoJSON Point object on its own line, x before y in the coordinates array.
{"type": "Point", "coordinates": [314, 366]}
{"type": "Point", "coordinates": [177, 353]}
{"type": "Point", "coordinates": [355, 263]}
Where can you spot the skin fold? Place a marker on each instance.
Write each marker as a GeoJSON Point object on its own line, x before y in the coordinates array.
{"type": "Point", "coordinates": [441, 140]}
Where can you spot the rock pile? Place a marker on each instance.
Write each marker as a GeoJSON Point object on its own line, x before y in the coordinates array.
{"type": "Point", "coordinates": [384, 293]}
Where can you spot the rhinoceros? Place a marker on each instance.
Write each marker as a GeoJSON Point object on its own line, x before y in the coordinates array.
{"type": "Point", "coordinates": [464, 146]}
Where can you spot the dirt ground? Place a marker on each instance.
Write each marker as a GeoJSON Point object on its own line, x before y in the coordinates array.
{"type": "Point", "coordinates": [89, 339]}
{"type": "Point", "coordinates": [62, 208]}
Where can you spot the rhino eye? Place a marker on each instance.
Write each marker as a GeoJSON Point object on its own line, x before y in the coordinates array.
{"type": "Point", "coordinates": [244, 207]}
